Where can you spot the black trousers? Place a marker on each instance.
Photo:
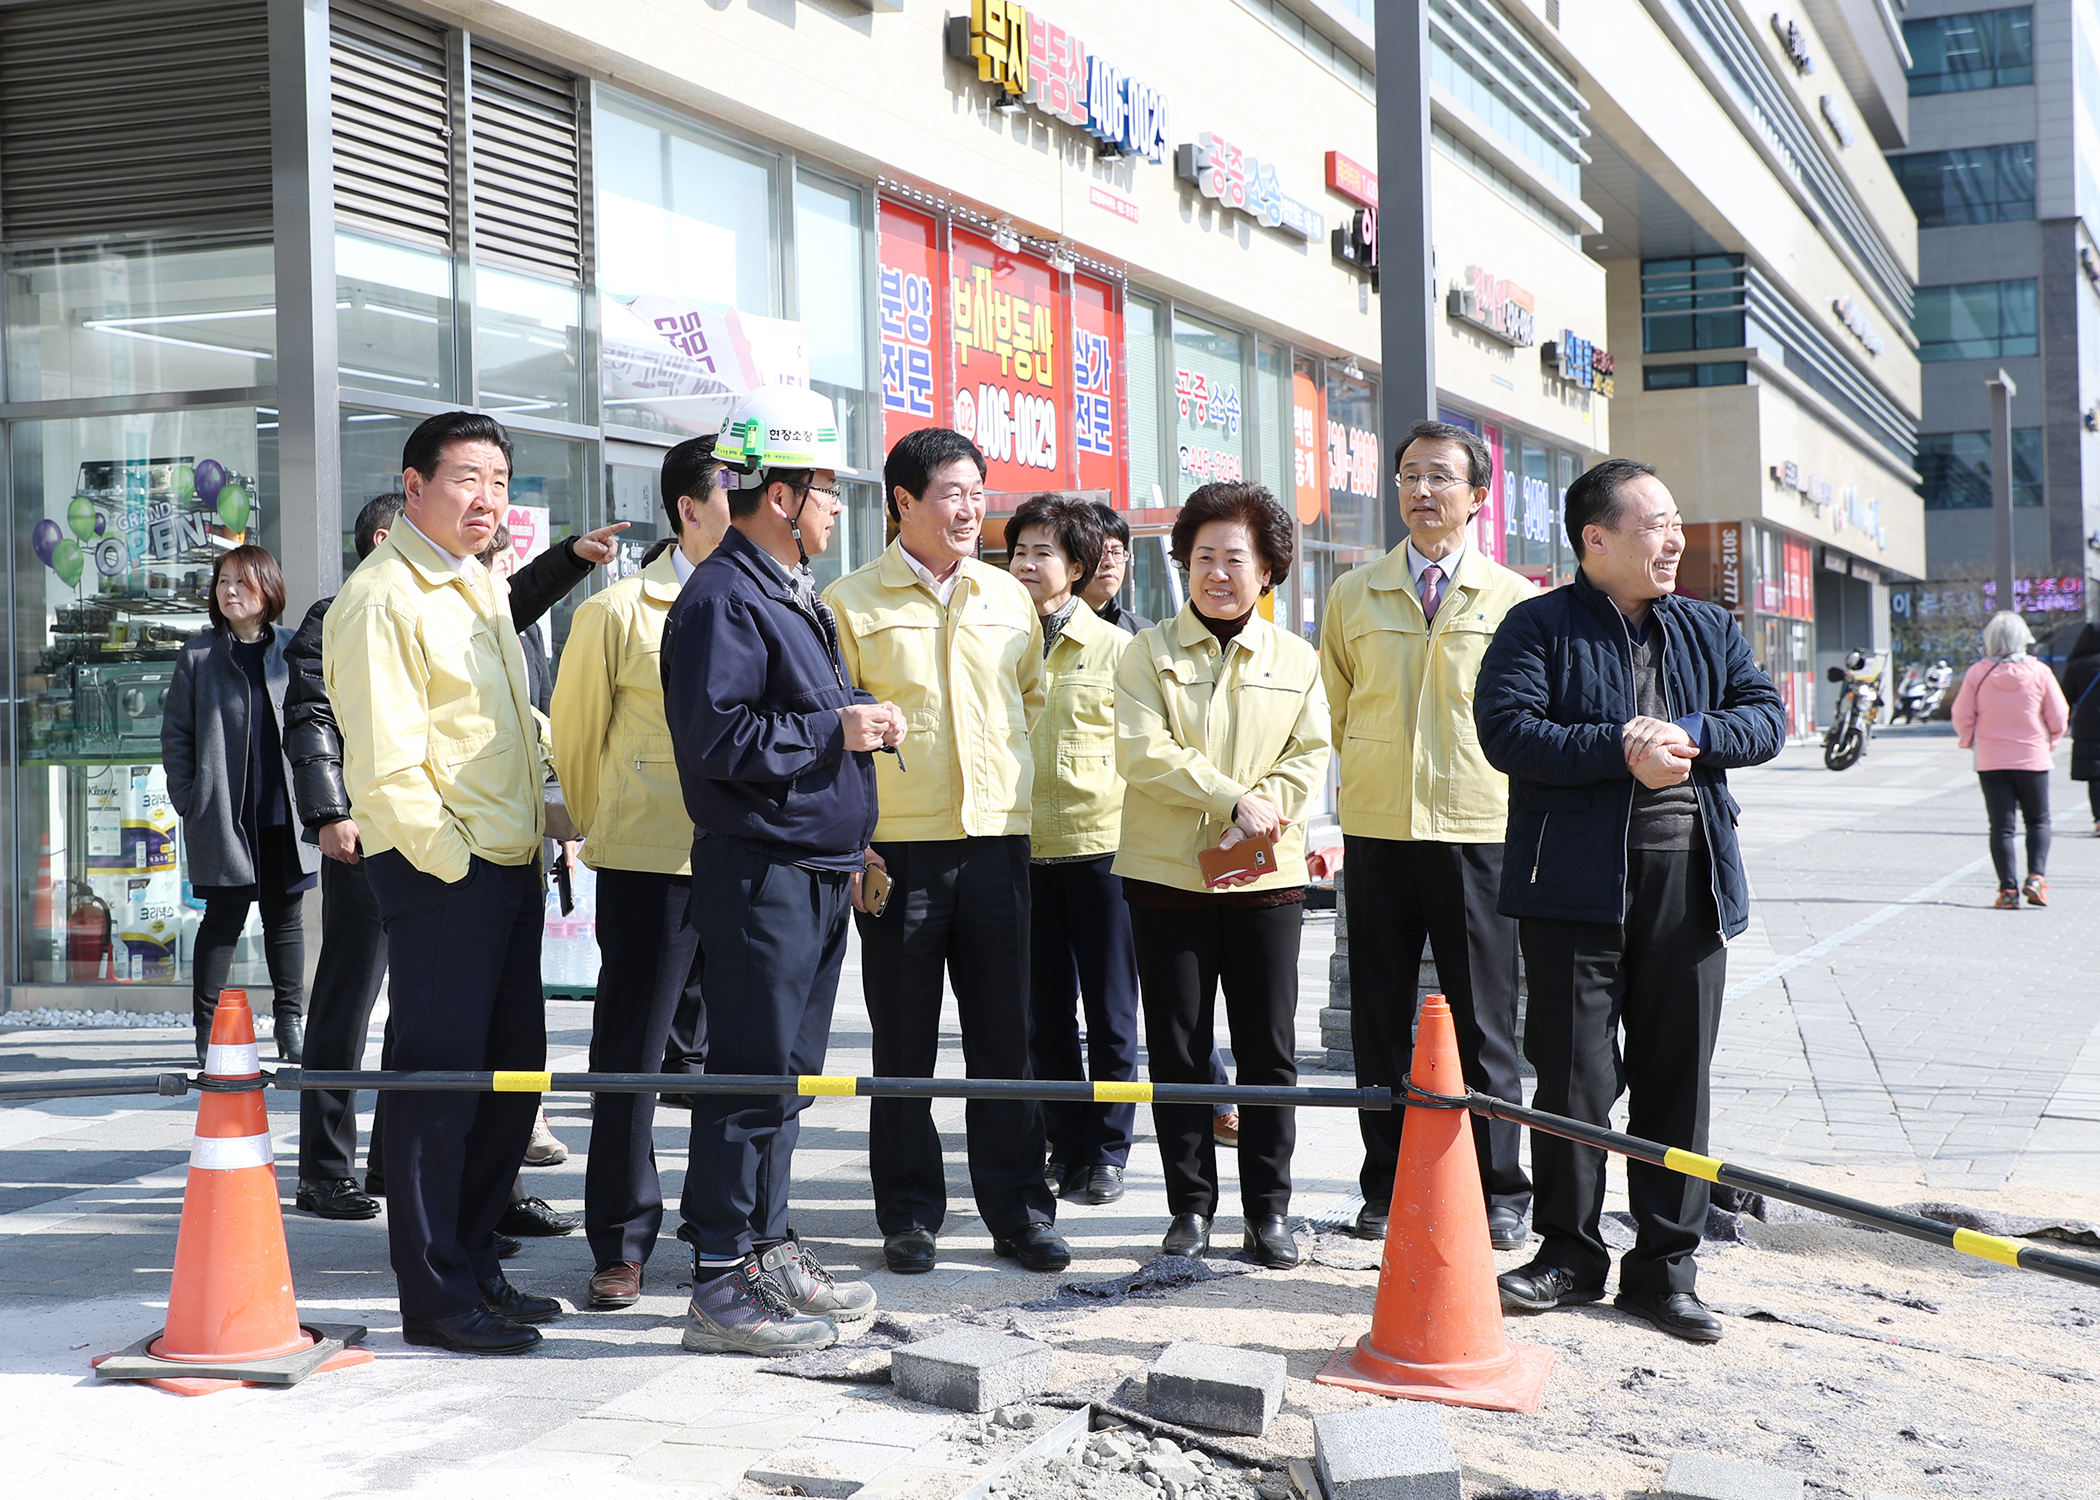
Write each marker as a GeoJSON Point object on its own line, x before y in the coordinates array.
{"type": "Point", "coordinates": [1183, 959]}
{"type": "Point", "coordinates": [685, 1047]}
{"type": "Point", "coordinates": [959, 907]}
{"type": "Point", "coordinates": [1402, 894]}
{"type": "Point", "coordinates": [346, 986]}
{"type": "Point", "coordinates": [646, 972]}
{"type": "Point", "coordinates": [2009, 796]}
{"type": "Point", "coordinates": [1659, 975]}
{"type": "Point", "coordinates": [284, 933]}
{"type": "Point", "coordinates": [2092, 798]}
{"type": "Point", "coordinates": [465, 995]}
{"type": "Point", "coordinates": [1080, 952]}
{"type": "Point", "coordinates": [772, 938]}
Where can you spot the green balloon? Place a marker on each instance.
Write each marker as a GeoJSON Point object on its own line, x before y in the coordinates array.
{"type": "Point", "coordinates": [185, 484]}
{"type": "Point", "coordinates": [80, 515]}
{"type": "Point", "coordinates": [233, 505]}
{"type": "Point", "coordinates": [66, 560]}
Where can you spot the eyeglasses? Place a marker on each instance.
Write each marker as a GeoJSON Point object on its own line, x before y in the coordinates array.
{"type": "Point", "coordinates": [1406, 482]}
{"type": "Point", "coordinates": [831, 496]}
{"type": "Point", "coordinates": [1114, 553]}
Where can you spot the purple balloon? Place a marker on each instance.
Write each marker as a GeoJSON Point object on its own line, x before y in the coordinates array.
{"type": "Point", "coordinates": [101, 523]}
{"type": "Point", "coordinates": [211, 478]}
{"type": "Point", "coordinates": [44, 538]}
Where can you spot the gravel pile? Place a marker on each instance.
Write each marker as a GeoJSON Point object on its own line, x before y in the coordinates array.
{"type": "Point", "coordinates": [1121, 1464]}
{"type": "Point", "coordinates": [90, 1020]}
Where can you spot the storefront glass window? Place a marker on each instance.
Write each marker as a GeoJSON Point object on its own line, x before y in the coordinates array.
{"type": "Point", "coordinates": [393, 320]}
{"type": "Point", "coordinates": [1149, 484]}
{"type": "Point", "coordinates": [549, 500]}
{"type": "Point", "coordinates": [831, 284]}
{"type": "Point", "coordinates": [125, 320]}
{"type": "Point", "coordinates": [1356, 468]}
{"type": "Point", "coordinates": [1211, 414]}
{"type": "Point", "coordinates": [115, 524]}
{"type": "Point", "coordinates": [1272, 383]}
{"type": "Point", "coordinates": [372, 443]}
{"type": "Point", "coordinates": [527, 335]}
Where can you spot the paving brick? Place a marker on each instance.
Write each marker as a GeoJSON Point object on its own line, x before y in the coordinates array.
{"type": "Point", "coordinates": [1386, 1452]}
{"type": "Point", "coordinates": [1700, 1476]}
{"type": "Point", "coordinates": [822, 1466]}
{"type": "Point", "coordinates": [971, 1371]}
{"type": "Point", "coordinates": [1210, 1385]}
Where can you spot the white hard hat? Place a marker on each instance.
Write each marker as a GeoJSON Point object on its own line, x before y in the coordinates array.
{"type": "Point", "coordinates": [781, 427]}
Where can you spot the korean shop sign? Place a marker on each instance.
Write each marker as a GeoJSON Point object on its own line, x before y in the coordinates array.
{"type": "Point", "coordinates": [1578, 362]}
{"type": "Point", "coordinates": [1355, 242]}
{"type": "Point", "coordinates": [1222, 170]}
{"type": "Point", "coordinates": [1352, 179]}
{"type": "Point", "coordinates": [1052, 68]}
{"type": "Point", "coordinates": [1498, 308]}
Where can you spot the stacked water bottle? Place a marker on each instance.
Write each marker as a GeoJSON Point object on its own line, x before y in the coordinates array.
{"type": "Point", "coordinates": [569, 947]}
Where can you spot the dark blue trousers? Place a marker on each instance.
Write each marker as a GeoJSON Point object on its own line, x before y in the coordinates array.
{"type": "Point", "coordinates": [464, 960]}
{"type": "Point", "coordinates": [647, 974]}
{"type": "Point", "coordinates": [772, 937]}
{"type": "Point", "coordinates": [1079, 950]}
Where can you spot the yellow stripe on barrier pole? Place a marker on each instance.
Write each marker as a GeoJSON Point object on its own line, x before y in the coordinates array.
{"type": "Point", "coordinates": [817, 1083]}
{"type": "Point", "coordinates": [1123, 1093]}
{"type": "Point", "coordinates": [522, 1083]}
{"type": "Point", "coordinates": [1692, 1164]}
{"type": "Point", "coordinates": [1987, 1246]}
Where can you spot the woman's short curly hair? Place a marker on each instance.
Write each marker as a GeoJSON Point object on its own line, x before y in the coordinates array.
{"type": "Point", "coordinates": [1253, 507]}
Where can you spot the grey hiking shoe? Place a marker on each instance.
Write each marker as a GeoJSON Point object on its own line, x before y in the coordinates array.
{"type": "Point", "coordinates": [809, 1288]}
{"type": "Point", "coordinates": [745, 1312]}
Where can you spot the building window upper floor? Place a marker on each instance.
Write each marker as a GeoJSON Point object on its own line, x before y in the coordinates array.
{"type": "Point", "coordinates": [1969, 185]}
{"type": "Point", "coordinates": [1954, 469]}
{"type": "Point", "coordinates": [1984, 49]}
{"type": "Point", "coordinates": [1979, 320]}
{"type": "Point", "coordinates": [1692, 302]}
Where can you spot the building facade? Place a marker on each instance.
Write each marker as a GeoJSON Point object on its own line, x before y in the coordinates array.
{"type": "Point", "coordinates": [2003, 169]}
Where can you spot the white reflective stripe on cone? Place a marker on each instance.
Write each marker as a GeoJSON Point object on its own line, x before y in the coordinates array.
{"type": "Point", "coordinates": [227, 1153]}
{"type": "Point", "coordinates": [232, 1061]}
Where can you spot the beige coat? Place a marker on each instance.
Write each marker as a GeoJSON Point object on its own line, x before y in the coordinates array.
{"type": "Point", "coordinates": [1078, 795]}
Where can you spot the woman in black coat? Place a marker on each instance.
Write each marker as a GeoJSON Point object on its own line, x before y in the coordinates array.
{"type": "Point", "coordinates": [222, 741]}
{"type": "Point", "coordinates": [2080, 671]}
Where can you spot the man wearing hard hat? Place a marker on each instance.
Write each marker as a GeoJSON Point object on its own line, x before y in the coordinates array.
{"type": "Point", "coordinates": [774, 746]}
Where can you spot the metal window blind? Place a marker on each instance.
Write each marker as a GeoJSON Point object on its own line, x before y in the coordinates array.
{"type": "Point", "coordinates": [392, 124]}
{"type": "Point", "coordinates": [121, 117]}
{"type": "Point", "coordinates": [528, 166]}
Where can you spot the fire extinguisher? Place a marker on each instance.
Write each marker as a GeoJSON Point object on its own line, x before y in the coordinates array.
{"type": "Point", "coordinates": [89, 926]}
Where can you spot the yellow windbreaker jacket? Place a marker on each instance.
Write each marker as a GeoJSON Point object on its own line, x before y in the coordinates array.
{"type": "Point", "coordinates": [443, 756]}
{"type": "Point", "coordinates": [1197, 729]}
{"type": "Point", "coordinates": [612, 748]}
{"type": "Point", "coordinates": [1401, 693]}
{"type": "Point", "coordinates": [1078, 795]}
{"type": "Point", "coordinates": [970, 681]}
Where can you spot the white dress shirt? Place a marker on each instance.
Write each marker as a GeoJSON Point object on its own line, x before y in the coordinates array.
{"type": "Point", "coordinates": [941, 590]}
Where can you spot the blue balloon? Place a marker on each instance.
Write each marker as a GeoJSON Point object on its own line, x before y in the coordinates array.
{"type": "Point", "coordinates": [44, 538]}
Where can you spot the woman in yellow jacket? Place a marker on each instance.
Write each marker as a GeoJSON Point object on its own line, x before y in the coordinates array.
{"type": "Point", "coordinates": [1079, 928]}
{"type": "Point", "coordinates": [1221, 737]}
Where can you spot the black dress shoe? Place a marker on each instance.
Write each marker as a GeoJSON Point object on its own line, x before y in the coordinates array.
{"type": "Point", "coordinates": [1187, 1234]}
{"type": "Point", "coordinates": [1268, 1240]}
{"type": "Point", "coordinates": [675, 1101]}
{"type": "Point", "coordinates": [334, 1198]}
{"type": "Point", "coordinates": [291, 1040]}
{"type": "Point", "coordinates": [1371, 1220]}
{"type": "Point", "coordinates": [506, 1301]}
{"type": "Point", "coordinates": [1104, 1184]}
{"type": "Point", "coordinates": [506, 1247]}
{"type": "Point", "coordinates": [534, 1216]}
{"type": "Point", "coordinates": [1679, 1314]}
{"type": "Point", "coordinates": [1063, 1179]}
{"type": "Point", "coordinates": [476, 1331]}
{"type": "Point", "coordinates": [909, 1253]}
{"type": "Point", "coordinates": [1039, 1247]}
{"type": "Point", "coordinates": [1538, 1286]}
{"type": "Point", "coordinates": [1506, 1229]}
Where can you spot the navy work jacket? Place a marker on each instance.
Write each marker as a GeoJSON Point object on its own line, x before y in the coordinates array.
{"type": "Point", "coordinates": [1554, 696]}
{"type": "Point", "coordinates": [752, 688]}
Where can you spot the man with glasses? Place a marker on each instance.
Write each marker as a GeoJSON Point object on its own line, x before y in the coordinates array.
{"type": "Point", "coordinates": [957, 644]}
{"type": "Point", "coordinates": [1103, 590]}
{"type": "Point", "coordinates": [1422, 811]}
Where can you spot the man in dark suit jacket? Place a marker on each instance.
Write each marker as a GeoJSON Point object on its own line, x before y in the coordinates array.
{"type": "Point", "coordinates": [1617, 710]}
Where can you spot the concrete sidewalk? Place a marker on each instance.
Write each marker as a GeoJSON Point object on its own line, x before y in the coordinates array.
{"type": "Point", "coordinates": [1880, 1040]}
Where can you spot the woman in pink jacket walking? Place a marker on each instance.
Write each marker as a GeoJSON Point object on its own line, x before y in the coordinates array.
{"type": "Point", "coordinates": [2011, 710]}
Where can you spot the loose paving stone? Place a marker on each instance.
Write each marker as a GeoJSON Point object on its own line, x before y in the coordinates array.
{"type": "Point", "coordinates": [1700, 1476]}
{"type": "Point", "coordinates": [1396, 1452]}
{"type": "Point", "coordinates": [821, 1466]}
{"type": "Point", "coordinates": [970, 1370]}
{"type": "Point", "coordinates": [1210, 1385]}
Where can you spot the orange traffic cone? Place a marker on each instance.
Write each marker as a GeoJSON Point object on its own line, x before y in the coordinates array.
{"type": "Point", "coordinates": [231, 1317]}
{"type": "Point", "coordinates": [1436, 1329]}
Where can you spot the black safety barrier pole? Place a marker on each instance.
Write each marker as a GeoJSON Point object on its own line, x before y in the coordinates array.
{"type": "Point", "coordinates": [1872, 1215]}
{"type": "Point", "coordinates": [92, 1088]}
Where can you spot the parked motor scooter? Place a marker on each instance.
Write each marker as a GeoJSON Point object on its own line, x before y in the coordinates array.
{"type": "Point", "coordinates": [1919, 694]}
{"type": "Point", "coordinates": [1864, 679]}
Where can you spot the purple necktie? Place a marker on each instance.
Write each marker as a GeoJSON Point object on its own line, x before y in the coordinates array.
{"type": "Point", "coordinates": [1432, 590]}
